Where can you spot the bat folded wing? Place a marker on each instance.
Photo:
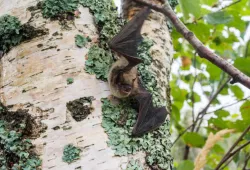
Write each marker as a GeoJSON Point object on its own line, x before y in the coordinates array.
{"type": "Point", "coordinates": [149, 117]}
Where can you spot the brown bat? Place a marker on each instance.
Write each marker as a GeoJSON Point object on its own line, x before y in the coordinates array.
{"type": "Point", "coordinates": [123, 76]}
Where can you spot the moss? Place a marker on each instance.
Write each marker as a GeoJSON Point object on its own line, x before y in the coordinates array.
{"type": "Point", "coordinates": [10, 35]}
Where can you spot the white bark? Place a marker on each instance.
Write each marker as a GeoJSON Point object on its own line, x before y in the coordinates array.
{"type": "Point", "coordinates": [36, 75]}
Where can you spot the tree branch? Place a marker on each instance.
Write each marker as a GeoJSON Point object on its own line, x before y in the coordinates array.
{"type": "Point", "coordinates": [203, 112]}
{"type": "Point", "coordinates": [182, 133]}
{"type": "Point", "coordinates": [223, 107]}
{"type": "Point", "coordinates": [229, 154]}
{"type": "Point", "coordinates": [246, 162]}
{"type": "Point", "coordinates": [203, 51]}
{"type": "Point", "coordinates": [192, 89]}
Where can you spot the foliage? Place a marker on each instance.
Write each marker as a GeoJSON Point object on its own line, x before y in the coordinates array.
{"type": "Point", "coordinates": [156, 144]}
{"type": "Point", "coordinates": [221, 27]}
{"type": "Point", "coordinates": [81, 41]}
{"type": "Point", "coordinates": [53, 8]}
{"type": "Point", "coordinates": [10, 34]}
{"type": "Point", "coordinates": [15, 150]}
{"type": "Point", "coordinates": [99, 61]}
{"type": "Point", "coordinates": [70, 80]}
{"type": "Point", "coordinates": [71, 153]}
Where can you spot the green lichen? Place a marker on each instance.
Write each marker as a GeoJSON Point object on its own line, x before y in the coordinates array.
{"type": "Point", "coordinates": [53, 8]}
{"type": "Point", "coordinates": [106, 19]}
{"type": "Point", "coordinates": [16, 150]}
{"type": "Point", "coordinates": [146, 74]}
{"type": "Point", "coordinates": [71, 153]}
{"type": "Point", "coordinates": [81, 41]}
{"type": "Point", "coordinates": [156, 144]}
{"type": "Point", "coordinates": [134, 165]}
{"type": "Point", "coordinates": [10, 35]}
{"type": "Point", "coordinates": [70, 80]}
{"type": "Point", "coordinates": [99, 61]}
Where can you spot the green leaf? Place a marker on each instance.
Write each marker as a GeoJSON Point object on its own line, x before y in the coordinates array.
{"type": "Point", "coordinates": [245, 111]}
{"type": "Point", "coordinates": [214, 71]}
{"type": "Point", "coordinates": [218, 123]}
{"type": "Point", "coordinates": [194, 139]}
{"type": "Point", "coordinates": [243, 65]}
{"type": "Point", "coordinates": [222, 113]}
{"type": "Point", "coordinates": [220, 17]}
{"type": "Point", "coordinates": [224, 91]}
{"type": "Point", "coordinates": [237, 92]}
{"type": "Point", "coordinates": [190, 7]}
{"type": "Point", "coordinates": [186, 165]}
{"type": "Point", "coordinates": [209, 2]}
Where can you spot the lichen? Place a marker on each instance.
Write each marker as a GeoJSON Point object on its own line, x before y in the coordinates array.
{"type": "Point", "coordinates": [71, 153]}
{"type": "Point", "coordinates": [134, 165]}
{"type": "Point", "coordinates": [80, 108]}
{"type": "Point", "coordinates": [106, 19]}
{"type": "Point", "coordinates": [156, 144]}
{"type": "Point", "coordinates": [98, 62]}
{"type": "Point", "coordinates": [16, 149]}
{"type": "Point", "coordinates": [10, 35]}
{"type": "Point", "coordinates": [146, 74]}
{"type": "Point", "coordinates": [53, 8]}
{"type": "Point", "coordinates": [81, 41]}
{"type": "Point", "coordinates": [118, 121]}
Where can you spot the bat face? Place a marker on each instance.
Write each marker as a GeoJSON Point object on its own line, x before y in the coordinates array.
{"type": "Point", "coordinates": [123, 77]}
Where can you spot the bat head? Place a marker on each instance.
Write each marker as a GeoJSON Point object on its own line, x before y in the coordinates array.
{"type": "Point", "coordinates": [125, 89]}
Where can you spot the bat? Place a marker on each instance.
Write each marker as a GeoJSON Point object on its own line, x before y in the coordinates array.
{"type": "Point", "coordinates": [1, 54]}
{"type": "Point", "coordinates": [123, 76]}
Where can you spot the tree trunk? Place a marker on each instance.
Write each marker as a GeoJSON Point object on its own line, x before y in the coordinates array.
{"type": "Point", "coordinates": [34, 76]}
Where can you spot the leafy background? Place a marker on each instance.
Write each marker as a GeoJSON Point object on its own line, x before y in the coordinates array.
{"type": "Point", "coordinates": [201, 92]}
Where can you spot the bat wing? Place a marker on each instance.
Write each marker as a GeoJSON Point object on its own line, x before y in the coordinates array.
{"type": "Point", "coordinates": [149, 117]}
{"type": "Point", "coordinates": [128, 39]}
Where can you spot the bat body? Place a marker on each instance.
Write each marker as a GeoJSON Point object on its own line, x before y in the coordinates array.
{"type": "Point", "coordinates": [123, 76]}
